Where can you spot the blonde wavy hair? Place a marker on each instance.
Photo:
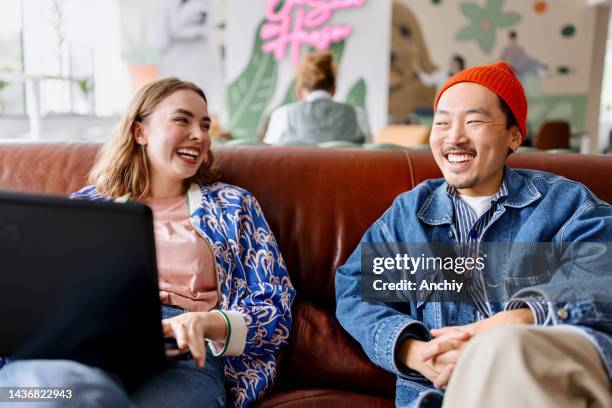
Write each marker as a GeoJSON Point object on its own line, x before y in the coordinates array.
{"type": "Point", "coordinates": [121, 165]}
{"type": "Point", "coordinates": [317, 71]}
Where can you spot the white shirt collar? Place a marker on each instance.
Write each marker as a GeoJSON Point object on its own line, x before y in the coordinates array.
{"type": "Point", "coordinates": [317, 94]}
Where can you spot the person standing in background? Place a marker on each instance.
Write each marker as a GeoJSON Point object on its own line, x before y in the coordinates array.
{"type": "Point", "coordinates": [522, 64]}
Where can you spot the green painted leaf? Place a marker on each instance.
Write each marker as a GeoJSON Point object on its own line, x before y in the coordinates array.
{"type": "Point", "coordinates": [290, 95]}
{"type": "Point", "coordinates": [507, 20]}
{"type": "Point", "coordinates": [338, 49]}
{"type": "Point", "coordinates": [494, 6]}
{"type": "Point", "coordinates": [249, 94]}
{"type": "Point", "coordinates": [357, 94]}
{"type": "Point", "coordinates": [472, 11]}
{"type": "Point", "coordinates": [279, 6]}
{"type": "Point", "coordinates": [467, 33]}
{"type": "Point", "coordinates": [486, 39]}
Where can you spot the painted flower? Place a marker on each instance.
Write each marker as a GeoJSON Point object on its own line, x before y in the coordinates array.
{"type": "Point", "coordinates": [484, 22]}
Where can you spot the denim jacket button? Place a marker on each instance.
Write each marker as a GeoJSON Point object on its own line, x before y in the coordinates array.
{"type": "Point", "coordinates": [562, 313]}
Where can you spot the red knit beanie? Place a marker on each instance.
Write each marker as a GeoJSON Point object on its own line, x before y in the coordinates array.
{"type": "Point", "coordinates": [501, 80]}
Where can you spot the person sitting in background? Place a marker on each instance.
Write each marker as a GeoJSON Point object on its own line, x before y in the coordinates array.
{"type": "Point", "coordinates": [221, 273]}
{"type": "Point", "coordinates": [316, 117]}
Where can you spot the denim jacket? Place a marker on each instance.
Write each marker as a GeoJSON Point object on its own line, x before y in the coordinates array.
{"type": "Point", "coordinates": [253, 280]}
{"type": "Point", "coordinates": [540, 207]}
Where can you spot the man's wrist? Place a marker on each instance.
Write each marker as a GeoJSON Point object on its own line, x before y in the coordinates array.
{"type": "Point", "coordinates": [409, 353]}
{"type": "Point", "coordinates": [521, 316]}
{"type": "Point", "coordinates": [537, 305]}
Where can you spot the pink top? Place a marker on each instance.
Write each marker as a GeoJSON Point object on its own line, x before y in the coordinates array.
{"type": "Point", "coordinates": [185, 263]}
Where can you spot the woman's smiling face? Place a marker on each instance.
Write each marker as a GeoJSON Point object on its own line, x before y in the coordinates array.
{"type": "Point", "coordinates": [176, 138]}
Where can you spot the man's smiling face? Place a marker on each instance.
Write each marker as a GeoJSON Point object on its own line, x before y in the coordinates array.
{"type": "Point", "coordinates": [470, 138]}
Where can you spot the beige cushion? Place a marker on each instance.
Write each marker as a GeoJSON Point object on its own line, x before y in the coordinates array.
{"type": "Point", "coordinates": [403, 135]}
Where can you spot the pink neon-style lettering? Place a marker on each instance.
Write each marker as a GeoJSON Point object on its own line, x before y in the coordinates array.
{"type": "Point", "coordinates": [278, 34]}
{"type": "Point", "coordinates": [282, 14]}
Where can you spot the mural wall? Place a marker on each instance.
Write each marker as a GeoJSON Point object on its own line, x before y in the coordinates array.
{"type": "Point", "coordinates": [264, 47]}
{"type": "Point", "coordinates": [548, 43]}
{"type": "Point", "coordinates": [408, 48]}
{"type": "Point", "coordinates": [246, 62]}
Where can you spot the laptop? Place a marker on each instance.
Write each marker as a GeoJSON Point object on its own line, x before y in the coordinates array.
{"type": "Point", "coordinates": [78, 281]}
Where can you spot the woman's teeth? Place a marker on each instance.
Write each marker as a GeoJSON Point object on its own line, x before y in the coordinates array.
{"type": "Point", "coordinates": [190, 153]}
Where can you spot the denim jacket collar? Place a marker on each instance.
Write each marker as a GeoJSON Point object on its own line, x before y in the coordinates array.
{"type": "Point", "coordinates": [438, 208]}
{"type": "Point", "coordinates": [521, 190]}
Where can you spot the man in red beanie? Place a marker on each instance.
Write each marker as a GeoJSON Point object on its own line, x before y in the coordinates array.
{"type": "Point", "coordinates": [522, 332]}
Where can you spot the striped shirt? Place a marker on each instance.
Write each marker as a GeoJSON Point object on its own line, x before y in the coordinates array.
{"type": "Point", "coordinates": [470, 230]}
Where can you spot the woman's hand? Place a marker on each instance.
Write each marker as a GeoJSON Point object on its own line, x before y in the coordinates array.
{"type": "Point", "coordinates": [191, 328]}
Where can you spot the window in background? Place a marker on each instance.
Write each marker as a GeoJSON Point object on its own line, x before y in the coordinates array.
{"type": "Point", "coordinates": [12, 94]}
{"type": "Point", "coordinates": [60, 61]}
{"type": "Point", "coordinates": [61, 69]}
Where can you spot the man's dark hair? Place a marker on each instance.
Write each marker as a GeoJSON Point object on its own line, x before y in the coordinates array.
{"type": "Point", "coordinates": [510, 118]}
{"type": "Point", "coordinates": [460, 62]}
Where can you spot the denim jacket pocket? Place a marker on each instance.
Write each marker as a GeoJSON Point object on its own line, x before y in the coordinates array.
{"type": "Point", "coordinates": [514, 284]}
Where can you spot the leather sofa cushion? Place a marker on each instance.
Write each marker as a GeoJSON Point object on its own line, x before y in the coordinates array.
{"type": "Point", "coordinates": [321, 354]}
{"type": "Point", "coordinates": [316, 398]}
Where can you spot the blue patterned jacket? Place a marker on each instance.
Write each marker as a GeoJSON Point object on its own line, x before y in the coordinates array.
{"type": "Point", "coordinates": [256, 292]}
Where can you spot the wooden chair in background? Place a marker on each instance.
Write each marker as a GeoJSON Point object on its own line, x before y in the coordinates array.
{"type": "Point", "coordinates": [553, 135]}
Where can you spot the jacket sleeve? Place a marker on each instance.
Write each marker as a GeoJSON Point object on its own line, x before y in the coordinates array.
{"type": "Point", "coordinates": [87, 193]}
{"type": "Point", "coordinates": [579, 292]}
{"type": "Point", "coordinates": [379, 327]}
{"type": "Point", "coordinates": [264, 295]}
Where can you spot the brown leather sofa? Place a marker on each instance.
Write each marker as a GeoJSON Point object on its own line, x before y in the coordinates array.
{"type": "Point", "coordinates": [318, 202]}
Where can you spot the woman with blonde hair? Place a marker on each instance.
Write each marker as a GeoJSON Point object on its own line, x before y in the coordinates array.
{"type": "Point", "coordinates": [222, 279]}
{"type": "Point", "coordinates": [316, 118]}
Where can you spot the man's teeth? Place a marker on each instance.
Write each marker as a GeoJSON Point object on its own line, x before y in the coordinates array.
{"type": "Point", "coordinates": [460, 158]}
{"type": "Point", "coordinates": [188, 152]}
